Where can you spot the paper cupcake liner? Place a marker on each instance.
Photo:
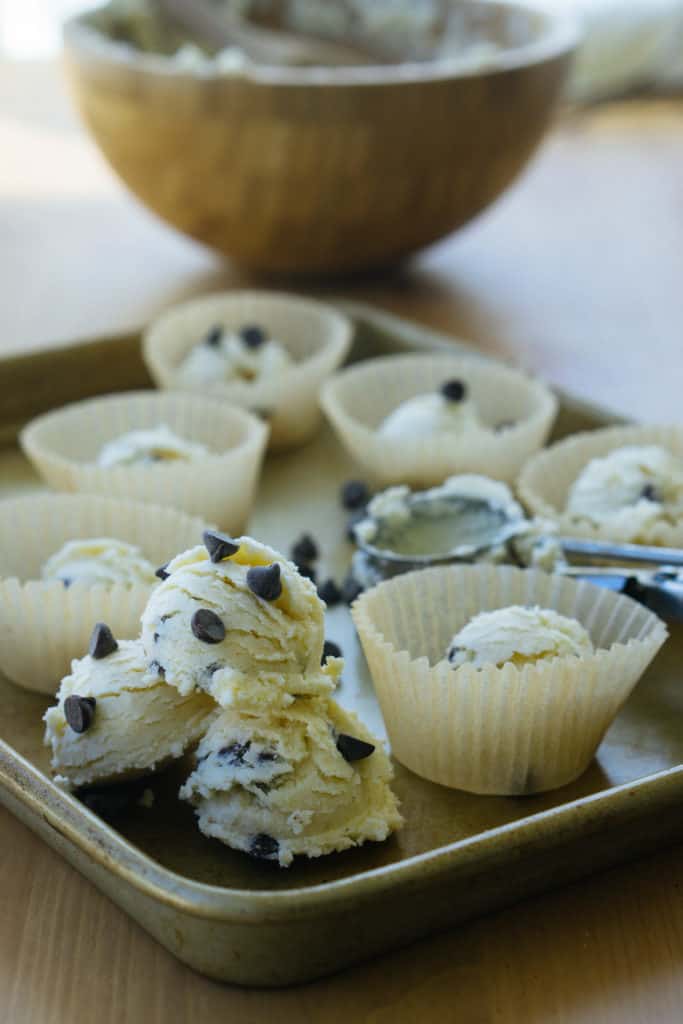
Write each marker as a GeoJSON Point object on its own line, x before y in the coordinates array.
{"type": "Point", "coordinates": [359, 398]}
{"type": "Point", "coordinates": [44, 625]}
{"type": "Point", "coordinates": [509, 730]}
{"type": "Point", "coordinates": [316, 336]}
{"type": "Point", "coordinates": [546, 478]}
{"type": "Point", "coordinates": [63, 446]}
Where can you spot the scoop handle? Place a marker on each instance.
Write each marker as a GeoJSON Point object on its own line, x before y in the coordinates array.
{"type": "Point", "coordinates": [622, 552]}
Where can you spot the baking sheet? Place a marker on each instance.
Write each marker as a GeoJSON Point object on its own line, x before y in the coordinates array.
{"type": "Point", "coordinates": [458, 853]}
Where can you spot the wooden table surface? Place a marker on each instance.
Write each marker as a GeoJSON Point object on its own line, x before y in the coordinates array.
{"type": "Point", "coordinates": [577, 273]}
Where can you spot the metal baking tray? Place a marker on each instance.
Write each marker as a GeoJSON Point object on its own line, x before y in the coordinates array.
{"type": "Point", "coordinates": [459, 855]}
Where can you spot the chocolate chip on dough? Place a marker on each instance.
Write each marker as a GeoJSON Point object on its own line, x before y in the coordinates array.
{"type": "Point", "coordinates": [353, 749]}
{"type": "Point", "coordinates": [102, 642]}
{"type": "Point", "coordinates": [265, 582]}
{"type": "Point", "coordinates": [219, 545]}
{"type": "Point", "coordinates": [207, 626]}
{"type": "Point", "coordinates": [79, 712]}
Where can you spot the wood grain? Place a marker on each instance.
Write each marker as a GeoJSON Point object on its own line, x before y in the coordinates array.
{"type": "Point", "coordinates": [575, 273]}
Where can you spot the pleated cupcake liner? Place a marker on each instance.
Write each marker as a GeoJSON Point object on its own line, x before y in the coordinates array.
{"type": "Point", "coordinates": [317, 337]}
{"type": "Point", "coordinates": [63, 446]}
{"type": "Point", "coordinates": [547, 477]}
{"type": "Point", "coordinates": [43, 624]}
{"type": "Point", "coordinates": [357, 400]}
{"type": "Point", "coordinates": [508, 730]}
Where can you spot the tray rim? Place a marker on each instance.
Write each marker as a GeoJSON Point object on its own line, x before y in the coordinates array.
{"type": "Point", "coordinates": [202, 899]}
{"type": "Point", "coordinates": [21, 781]}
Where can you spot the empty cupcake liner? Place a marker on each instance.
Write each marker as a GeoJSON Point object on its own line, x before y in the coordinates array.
{"type": "Point", "coordinates": [358, 399]}
{"type": "Point", "coordinates": [43, 624]}
{"type": "Point", "coordinates": [317, 336]}
{"type": "Point", "coordinates": [508, 730]}
{"type": "Point", "coordinates": [63, 446]}
{"type": "Point", "coordinates": [546, 478]}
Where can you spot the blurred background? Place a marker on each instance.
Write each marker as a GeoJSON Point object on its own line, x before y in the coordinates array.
{"type": "Point", "coordinates": [627, 43]}
{"type": "Point", "coordinates": [581, 252]}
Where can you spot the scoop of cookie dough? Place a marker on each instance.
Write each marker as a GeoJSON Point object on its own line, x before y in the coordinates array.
{"type": "Point", "coordinates": [518, 635]}
{"type": "Point", "coordinates": [309, 779]}
{"type": "Point", "coordinates": [246, 628]}
{"type": "Point", "coordinates": [115, 721]}
{"type": "Point", "coordinates": [448, 411]}
{"type": "Point", "coordinates": [103, 560]}
{"type": "Point", "coordinates": [140, 447]}
{"type": "Point", "coordinates": [247, 355]}
{"type": "Point", "coordinates": [630, 489]}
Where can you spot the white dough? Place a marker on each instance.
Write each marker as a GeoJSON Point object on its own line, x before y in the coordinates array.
{"type": "Point", "coordinates": [428, 416]}
{"type": "Point", "coordinates": [630, 489]}
{"type": "Point", "coordinates": [103, 560]}
{"type": "Point", "coordinates": [232, 360]}
{"type": "Point", "coordinates": [518, 635]}
{"type": "Point", "coordinates": [271, 650]}
{"type": "Point", "coordinates": [139, 721]}
{"type": "Point", "coordinates": [159, 444]}
{"type": "Point", "coordinates": [276, 785]}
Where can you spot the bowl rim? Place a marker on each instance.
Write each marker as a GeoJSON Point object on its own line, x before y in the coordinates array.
{"type": "Point", "coordinates": [560, 36]}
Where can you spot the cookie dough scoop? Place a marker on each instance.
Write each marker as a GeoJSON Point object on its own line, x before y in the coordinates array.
{"type": "Point", "coordinates": [115, 721]}
{"type": "Point", "coordinates": [235, 619]}
{"type": "Point", "coordinates": [308, 780]}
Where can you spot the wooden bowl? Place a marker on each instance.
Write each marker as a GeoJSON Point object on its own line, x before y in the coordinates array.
{"type": "Point", "coordinates": [310, 170]}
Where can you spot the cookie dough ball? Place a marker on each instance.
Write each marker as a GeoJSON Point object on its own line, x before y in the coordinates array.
{"type": "Point", "coordinates": [238, 621]}
{"type": "Point", "coordinates": [247, 355]}
{"type": "Point", "coordinates": [630, 489]}
{"type": "Point", "coordinates": [307, 780]}
{"type": "Point", "coordinates": [101, 560]}
{"type": "Point", "coordinates": [115, 721]}
{"type": "Point", "coordinates": [448, 411]}
{"type": "Point", "coordinates": [143, 447]}
{"type": "Point", "coordinates": [518, 635]}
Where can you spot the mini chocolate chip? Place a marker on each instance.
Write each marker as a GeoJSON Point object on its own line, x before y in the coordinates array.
{"type": "Point", "coordinates": [454, 390]}
{"type": "Point", "coordinates": [264, 847]}
{"type": "Point", "coordinates": [353, 749]}
{"type": "Point", "coordinates": [235, 753]}
{"type": "Point", "coordinates": [308, 572]}
{"type": "Point", "coordinates": [67, 582]}
{"type": "Point", "coordinates": [352, 522]}
{"type": "Point", "coordinates": [330, 650]}
{"type": "Point", "coordinates": [265, 582]}
{"type": "Point", "coordinates": [102, 642]}
{"type": "Point", "coordinates": [329, 592]}
{"type": "Point", "coordinates": [167, 616]}
{"type": "Point", "coordinates": [156, 638]}
{"type": "Point", "coordinates": [252, 336]}
{"type": "Point", "coordinates": [503, 425]}
{"type": "Point", "coordinates": [304, 550]}
{"type": "Point", "coordinates": [79, 712]}
{"type": "Point", "coordinates": [452, 654]}
{"type": "Point", "coordinates": [213, 336]}
{"type": "Point", "coordinates": [207, 626]}
{"type": "Point", "coordinates": [633, 588]}
{"type": "Point", "coordinates": [219, 545]}
{"type": "Point", "coordinates": [354, 494]}
{"type": "Point", "coordinates": [268, 756]}
{"type": "Point", "coordinates": [649, 493]}
{"type": "Point", "coordinates": [350, 590]}
{"type": "Point", "coordinates": [161, 572]}
{"type": "Point", "coordinates": [158, 669]}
